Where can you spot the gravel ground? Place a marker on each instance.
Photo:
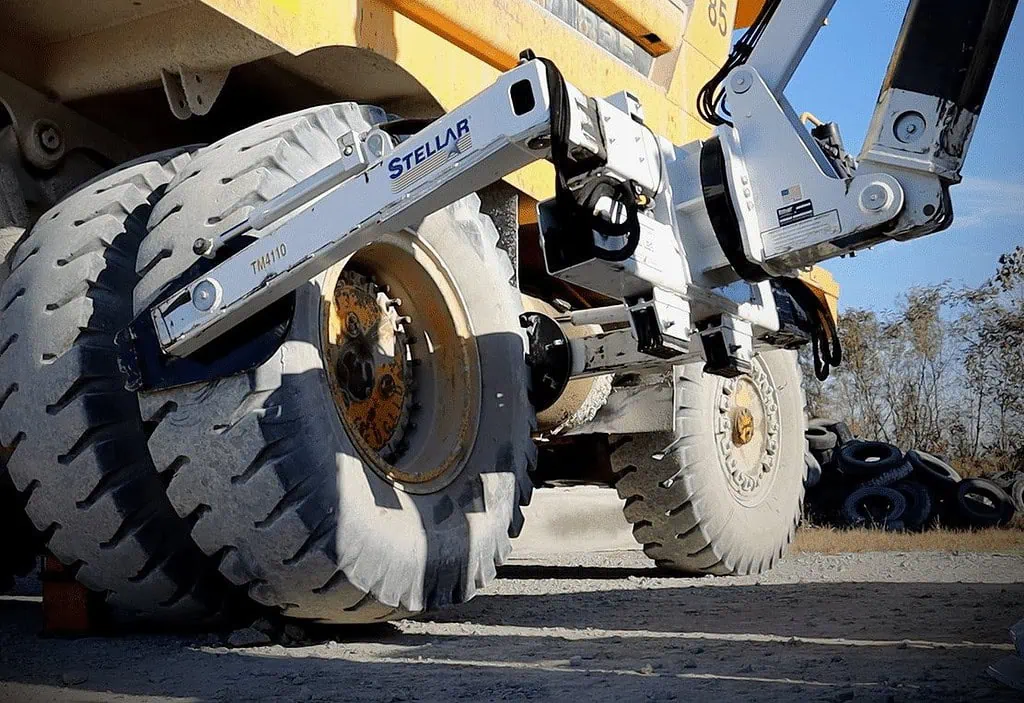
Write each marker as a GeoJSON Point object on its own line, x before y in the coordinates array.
{"type": "Point", "coordinates": [877, 627]}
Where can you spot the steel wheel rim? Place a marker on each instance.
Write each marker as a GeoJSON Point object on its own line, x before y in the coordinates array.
{"type": "Point", "coordinates": [747, 434]}
{"type": "Point", "coordinates": [441, 387]}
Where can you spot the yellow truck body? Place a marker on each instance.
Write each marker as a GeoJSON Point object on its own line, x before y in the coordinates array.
{"type": "Point", "coordinates": [414, 57]}
{"type": "Point", "coordinates": [104, 58]}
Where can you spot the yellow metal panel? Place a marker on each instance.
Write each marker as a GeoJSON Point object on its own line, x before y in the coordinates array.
{"type": "Point", "coordinates": [454, 52]}
{"type": "Point", "coordinates": [656, 25]}
{"type": "Point", "coordinates": [825, 287]}
{"type": "Point", "coordinates": [693, 72]}
{"type": "Point", "coordinates": [709, 30]}
{"type": "Point", "coordinates": [295, 25]}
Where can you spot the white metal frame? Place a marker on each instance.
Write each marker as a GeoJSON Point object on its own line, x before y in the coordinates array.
{"type": "Point", "coordinates": [791, 207]}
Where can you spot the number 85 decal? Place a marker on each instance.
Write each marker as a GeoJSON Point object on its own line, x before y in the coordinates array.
{"type": "Point", "coordinates": [718, 15]}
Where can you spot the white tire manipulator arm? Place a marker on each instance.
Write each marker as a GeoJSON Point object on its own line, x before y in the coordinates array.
{"type": "Point", "coordinates": [754, 203]}
{"type": "Point", "coordinates": [784, 202]}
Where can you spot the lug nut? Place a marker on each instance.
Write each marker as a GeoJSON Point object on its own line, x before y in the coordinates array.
{"type": "Point", "coordinates": [352, 327]}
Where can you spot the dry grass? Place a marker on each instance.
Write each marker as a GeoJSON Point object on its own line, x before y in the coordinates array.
{"type": "Point", "coordinates": [828, 540]}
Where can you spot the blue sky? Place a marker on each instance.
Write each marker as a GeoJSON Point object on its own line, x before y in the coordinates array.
{"type": "Point", "coordinates": [839, 80]}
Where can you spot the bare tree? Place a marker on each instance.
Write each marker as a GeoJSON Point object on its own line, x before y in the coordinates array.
{"type": "Point", "coordinates": [941, 371]}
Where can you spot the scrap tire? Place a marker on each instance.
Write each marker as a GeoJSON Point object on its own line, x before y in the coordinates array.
{"type": "Point", "coordinates": [686, 510]}
{"type": "Point", "coordinates": [919, 503]}
{"type": "Point", "coordinates": [934, 472]}
{"type": "Point", "coordinates": [77, 441]}
{"type": "Point", "coordinates": [261, 463]}
{"type": "Point", "coordinates": [837, 427]}
{"type": "Point", "coordinates": [976, 513]}
{"type": "Point", "coordinates": [856, 514]}
{"type": "Point", "coordinates": [813, 469]}
{"type": "Point", "coordinates": [820, 439]}
{"type": "Point", "coordinates": [862, 461]}
{"type": "Point", "coordinates": [1017, 493]}
{"type": "Point", "coordinates": [891, 476]}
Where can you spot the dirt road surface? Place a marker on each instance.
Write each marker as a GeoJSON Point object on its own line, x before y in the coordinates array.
{"type": "Point", "coordinates": [594, 626]}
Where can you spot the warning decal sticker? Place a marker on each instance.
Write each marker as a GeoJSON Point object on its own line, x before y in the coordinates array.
{"type": "Point", "coordinates": [804, 232]}
{"type": "Point", "coordinates": [791, 214]}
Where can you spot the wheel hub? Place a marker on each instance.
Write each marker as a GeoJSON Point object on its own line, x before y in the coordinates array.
{"type": "Point", "coordinates": [370, 360]}
{"type": "Point", "coordinates": [747, 434]}
{"type": "Point", "coordinates": [743, 426]}
{"type": "Point", "coordinates": [402, 363]}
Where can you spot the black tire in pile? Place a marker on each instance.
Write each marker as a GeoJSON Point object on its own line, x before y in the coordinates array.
{"type": "Point", "coordinates": [691, 510]}
{"type": "Point", "coordinates": [982, 503]}
{"type": "Point", "coordinates": [77, 441]}
{"type": "Point", "coordinates": [875, 506]}
{"type": "Point", "coordinates": [867, 461]}
{"type": "Point", "coordinates": [919, 504]}
{"type": "Point", "coordinates": [933, 471]}
{"type": "Point", "coordinates": [262, 464]}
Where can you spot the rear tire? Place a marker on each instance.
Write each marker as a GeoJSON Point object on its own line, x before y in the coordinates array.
{"type": "Point", "coordinates": [689, 510]}
{"type": "Point", "coordinates": [262, 464]}
{"type": "Point", "coordinates": [78, 443]}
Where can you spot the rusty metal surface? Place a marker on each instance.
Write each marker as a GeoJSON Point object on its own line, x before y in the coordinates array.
{"type": "Point", "coordinates": [423, 447]}
{"type": "Point", "coordinates": [365, 352]}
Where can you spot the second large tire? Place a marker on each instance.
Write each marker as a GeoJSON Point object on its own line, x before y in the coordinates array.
{"type": "Point", "coordinates": [279, 492]}
{"type": "Point", "coordinates": [692, 511]}
{"type": "Point", "coordinates": [20, 539]}
{"type": "Point", "coordinates": [77, 441]}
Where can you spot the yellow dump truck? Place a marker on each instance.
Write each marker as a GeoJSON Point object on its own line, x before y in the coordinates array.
{"type": "Point", "coordinates": [333, 481]}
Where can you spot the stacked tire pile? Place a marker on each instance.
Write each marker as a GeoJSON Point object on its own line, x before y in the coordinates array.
{"type": "Point", "coordinates": [857, 483]}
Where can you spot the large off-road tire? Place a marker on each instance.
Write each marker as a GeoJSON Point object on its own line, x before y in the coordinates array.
{"type": "Point", "coordinates": [78, 442]}
{"type": "Point", "coordinates": [716, 504]}
{"type": "Point", "coordinates": [21, 541]}
{"type": "Point", "coordinates": [281, 485]}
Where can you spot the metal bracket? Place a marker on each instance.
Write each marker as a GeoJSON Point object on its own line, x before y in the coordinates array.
{"type": "Point", "coordinates": [616, 352]}
{"type": "Point", "coordinates": [728, 346]}
{"type": "Point", "coordinates": [192, 92]}
{"type": "Point", "coordinates": [800, 214]}
{"type": "Point", "coordinates": [47, 130]}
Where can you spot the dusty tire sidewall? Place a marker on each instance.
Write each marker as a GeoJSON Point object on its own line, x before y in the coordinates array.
{"type": "Point", "coordinates": [781, 501]}
{"type": "Point", "coordinates": [494, 320]}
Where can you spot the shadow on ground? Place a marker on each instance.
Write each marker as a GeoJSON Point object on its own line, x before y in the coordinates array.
{"type": "Point", "coordinates": [629, 641]}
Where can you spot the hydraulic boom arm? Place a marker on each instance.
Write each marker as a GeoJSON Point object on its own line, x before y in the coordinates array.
{"type": "Point", "coordinates": [695, 240]}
